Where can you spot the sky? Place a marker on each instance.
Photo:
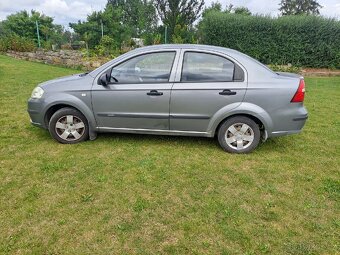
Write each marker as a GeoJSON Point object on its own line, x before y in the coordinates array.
{"type": "Point", "coordinates": [65, 11]}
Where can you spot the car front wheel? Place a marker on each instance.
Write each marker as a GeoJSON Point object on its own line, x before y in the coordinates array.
{"type": "Point", "coordinates": [68, 125]}
{"type": "Point", "coordinates": [239, 134]}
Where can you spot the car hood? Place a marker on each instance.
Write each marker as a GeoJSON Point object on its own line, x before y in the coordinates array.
{"type": "Point", "coordinates": [63, 79]}
{"type": "Point", "coordinates": [70, 82]}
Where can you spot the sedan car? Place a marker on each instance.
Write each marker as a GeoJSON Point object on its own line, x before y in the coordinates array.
{"type": "Point", "coordinates": [190, 90]}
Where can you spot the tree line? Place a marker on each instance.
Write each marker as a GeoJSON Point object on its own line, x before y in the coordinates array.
{"type": "Point", "coordinates": [153, 21]}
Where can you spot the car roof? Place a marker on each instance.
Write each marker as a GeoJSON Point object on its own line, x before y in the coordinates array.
{"type": "Point", "coordinates": [186, 46]}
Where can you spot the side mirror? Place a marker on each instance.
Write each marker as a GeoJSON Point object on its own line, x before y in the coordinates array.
{"type": "Point", "coordinates": [104, 79]}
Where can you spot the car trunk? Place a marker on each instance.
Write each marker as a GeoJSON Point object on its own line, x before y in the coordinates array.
{"type": "Point", "coordinates": [294, 75]}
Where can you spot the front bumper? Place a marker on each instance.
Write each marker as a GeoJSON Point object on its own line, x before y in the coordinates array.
{"type": "Point", "coordinates": [34, 109]}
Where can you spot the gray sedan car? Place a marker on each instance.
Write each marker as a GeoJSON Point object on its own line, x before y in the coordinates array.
{"type": "Point", "coordinates": [191, 90]}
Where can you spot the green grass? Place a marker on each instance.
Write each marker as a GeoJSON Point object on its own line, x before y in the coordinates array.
{"type": "Point", "coordinates": [141, 194]}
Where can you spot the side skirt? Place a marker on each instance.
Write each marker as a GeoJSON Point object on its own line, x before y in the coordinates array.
{"type": "Point", "coordinates": [153, 131]}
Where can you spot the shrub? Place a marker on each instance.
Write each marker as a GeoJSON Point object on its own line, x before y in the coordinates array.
{"type": "Point", "coordinates": [16, 43]}
{"type": "Point", "coordinates": [3, 45]}
{"type": "Point", "coordinates": [285, 68]}
{"type": "Point", "coordinates": [300, 40]}
{"type": "Point", "coordinates": [106, 47]}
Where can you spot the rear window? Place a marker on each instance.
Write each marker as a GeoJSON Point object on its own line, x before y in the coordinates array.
{"type": "Point", "coordinates": [206, 67]}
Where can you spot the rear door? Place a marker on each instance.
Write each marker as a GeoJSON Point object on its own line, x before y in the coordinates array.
{"type": "Point", "coordinates": [205, 83]}
{"type": "Point", "coordinates": [138, 95]}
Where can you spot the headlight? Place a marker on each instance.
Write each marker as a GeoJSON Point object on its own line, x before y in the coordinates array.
{"type": "Point", "coordinates": [37, 92]}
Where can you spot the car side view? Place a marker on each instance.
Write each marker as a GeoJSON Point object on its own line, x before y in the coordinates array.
{"type": "Point", "coordinates": [191, 90]}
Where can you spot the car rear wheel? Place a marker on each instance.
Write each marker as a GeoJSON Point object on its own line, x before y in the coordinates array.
{"type": "Point", "coordinates": [68, 125]}
{"type": "Point", "coordinates": [239, 134]}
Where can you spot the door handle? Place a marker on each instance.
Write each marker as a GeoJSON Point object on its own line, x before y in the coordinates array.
{"type": "Point", "coordinates": [227, 92]}
{"type": "Point", "coordinates": [154, 93]}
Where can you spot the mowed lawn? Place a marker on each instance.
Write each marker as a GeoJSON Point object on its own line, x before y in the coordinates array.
{"type": "Point", "coordinates": [143, 194]}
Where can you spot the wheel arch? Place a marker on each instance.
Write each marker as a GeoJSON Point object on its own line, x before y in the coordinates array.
{"type": "Point", "coordinates": [54, 108]}
{"type": "Point", "coordinates": [254, 112]}
{"type": "Point", "coordinates": [252, 117]}
{"type": "Point", "coordinates": [76, 104]}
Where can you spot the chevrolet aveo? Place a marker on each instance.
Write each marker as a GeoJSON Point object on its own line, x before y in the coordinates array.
{"type": "Point", "coordinates": [191, 90]}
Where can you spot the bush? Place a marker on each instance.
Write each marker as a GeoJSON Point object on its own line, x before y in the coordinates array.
{"type": "Point", "coordinates": [16, 43]}
{"type": "Point", "coordinates": [285, 68]}
{"type": "Point", "coordinates": [106, 47]}
{"type": "Point", "coordinates": [309, 41]}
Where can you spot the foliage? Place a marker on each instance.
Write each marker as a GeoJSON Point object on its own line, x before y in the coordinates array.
{"type": "Point", "coordinates": [143, 194]}
{"type": "Point", "coordinates": [217, 6]}
{"type": "Point", "coordinates": [214, 6]}
{"type": "Point", "coordinates": [309, 41]}
{"type": "Point", "coordinates": [23, 24]}
{"type": "Point", "coordinates": [285, 68]}
{"type": "Point", "coordinates": [3, 30]}
{"type": "Point", "coordinates": [177, 35]}
{"type": "Point", "coordinates": [157, 39]}
{"type": "Point", "coordinates": [106, 47]}
{"type": "Point", "coordinates": [178, 12]}
{"type": "Point", "coordinates": [139, 16]}
{"type": "Point", "coordinates": [242, 11]}
{"type": "Point", "coordinates": [16, 43]}
{"type": "Point", "coordinates": [298, 7]}
{"type": "Point", "coordinates": [121, 20]}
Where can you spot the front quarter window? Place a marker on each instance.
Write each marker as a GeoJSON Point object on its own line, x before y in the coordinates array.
{"type": "Point", "coordinates": [147, 68]}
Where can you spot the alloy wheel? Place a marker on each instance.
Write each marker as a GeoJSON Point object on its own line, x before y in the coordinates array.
{"type": "Point", "coordinates": [239, 136]}
{"type": "Point", "coordinates": [70, 128]}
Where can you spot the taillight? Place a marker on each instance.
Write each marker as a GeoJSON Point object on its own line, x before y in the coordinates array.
{"type": "Point", "coordinates": [300, 93]}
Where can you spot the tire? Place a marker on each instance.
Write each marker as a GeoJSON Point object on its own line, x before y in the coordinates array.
{"type": "Point", "coordinates": [68, 126]}
{"type": "Point", "coordinates": [239, 134]}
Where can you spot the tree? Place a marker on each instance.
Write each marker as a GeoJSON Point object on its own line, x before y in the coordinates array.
{"type": "Point", "coordinates": [242, 11]}
{"type": "Point", "coordinates": [179, 12]}
{"type": "Point", "coordinates": [122, 20]}
{"type": "Point", "coordinates": [3, 31]}
{"type": "Point", "coordinates": [229, 8]}
{"type": "Point", "coordinates": [298, 7]}
{"type": "Point", "coordinates": [215, 6]}
{"type": "Point", "coordinates": [90, 30]}
{"type": "Point", "coordinates": [139, 15]}
{"type": "Point", "coordinates": [23, 24]}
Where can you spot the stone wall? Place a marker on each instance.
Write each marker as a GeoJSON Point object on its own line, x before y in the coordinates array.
{"type": "Point", "coordinates": [68, 58]}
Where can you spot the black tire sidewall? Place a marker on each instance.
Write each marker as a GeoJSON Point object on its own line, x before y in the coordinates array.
{"type": "Point", "coordinates": [239, 119]}
{"type": "Point", "coordinates": [63, 112]}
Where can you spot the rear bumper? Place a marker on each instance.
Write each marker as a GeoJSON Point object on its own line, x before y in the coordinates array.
{"type": "Point", "coordinates": [301, 118]}
{"type": "Point", "coordinates": [282, 133]}
{"type": "Point", "coordinates": [291, 122]}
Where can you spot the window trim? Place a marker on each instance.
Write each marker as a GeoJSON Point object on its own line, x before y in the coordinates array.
{"type": "Point", "coordinates": [109, 70]}
{"type": "Point", "coordinates": [214, 54]}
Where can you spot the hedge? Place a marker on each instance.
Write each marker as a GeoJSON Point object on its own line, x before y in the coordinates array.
{"type": "Point", "coordinates": [308, 41]}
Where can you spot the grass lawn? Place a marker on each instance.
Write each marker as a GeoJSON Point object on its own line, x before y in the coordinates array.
{"type": "Point", "coordinates": [142, 194]}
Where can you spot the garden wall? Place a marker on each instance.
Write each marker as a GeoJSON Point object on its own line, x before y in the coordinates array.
{"type": "Point", "coordinates": [68, 58]}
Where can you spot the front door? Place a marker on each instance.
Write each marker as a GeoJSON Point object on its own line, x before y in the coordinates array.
{"type": "Point", "coordinates": [205, 84]}
{"type": "Point", "coordinates": [138, 95]}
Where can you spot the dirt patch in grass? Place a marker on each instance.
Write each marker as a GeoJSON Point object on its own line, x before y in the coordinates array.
{"type": "Point", "coordinates": [319, 72]}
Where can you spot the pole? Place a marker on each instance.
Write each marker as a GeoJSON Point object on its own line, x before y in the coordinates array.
{"type": "Point", "coordinates": [101, 24]}
{"type": "Point", "coordinates": [36, 23]}
{"type": "Point", "coordinates": [166, 34]}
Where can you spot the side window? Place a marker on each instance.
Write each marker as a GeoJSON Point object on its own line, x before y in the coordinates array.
{"type": "Point", "coordinates": [205, 67]}
{"type": "Point", "coordinates": [147, 68]}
